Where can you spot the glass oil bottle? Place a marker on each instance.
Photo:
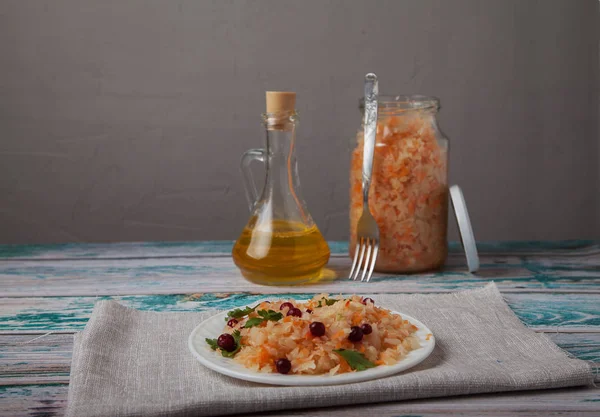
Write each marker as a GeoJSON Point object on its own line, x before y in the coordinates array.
{"type": "Point", "coordinates": [280, 244]}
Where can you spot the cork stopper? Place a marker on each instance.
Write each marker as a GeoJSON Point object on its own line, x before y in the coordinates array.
{"type": "Point", "coordinates": [278, 101]}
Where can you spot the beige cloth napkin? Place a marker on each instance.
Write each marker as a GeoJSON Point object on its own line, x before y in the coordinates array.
{"type": "Point", "coordinates": [136, 363]}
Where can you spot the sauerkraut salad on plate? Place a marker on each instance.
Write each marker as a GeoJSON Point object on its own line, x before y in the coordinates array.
{"type": "Point", "coordinates": [324, 335]}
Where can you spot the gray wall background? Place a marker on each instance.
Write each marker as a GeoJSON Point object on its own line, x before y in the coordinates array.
{"type": "Point", "coordinates": [125, 120]}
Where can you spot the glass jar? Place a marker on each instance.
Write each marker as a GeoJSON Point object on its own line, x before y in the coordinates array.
{"type": "Point", "coordinates": [409, 188]}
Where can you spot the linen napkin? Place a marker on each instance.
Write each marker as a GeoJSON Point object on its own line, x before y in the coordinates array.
{"type": "Point", "coordinates": [136, 363]}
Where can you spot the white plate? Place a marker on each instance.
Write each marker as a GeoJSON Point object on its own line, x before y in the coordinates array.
{"type": "Point", "coordinates": [211, 328]}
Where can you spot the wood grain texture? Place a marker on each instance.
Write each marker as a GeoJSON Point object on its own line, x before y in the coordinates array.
{"type": "Point", "coordinates": [98, 273]}
{"type": "Point", "coordinates": [51, 400]}
{"type": "Point", "coordinates": [126, 250]}
{"type": "Point", "coordinates": [33, 400]}
{"type": "Point", "coordinates": [35, 356]}
{"type": "Point", "coordinates": [42, 359]}
{"type": "Point", "coordinates": [551, 287]}
{"type": "Point", "coordinates": [550, 312]}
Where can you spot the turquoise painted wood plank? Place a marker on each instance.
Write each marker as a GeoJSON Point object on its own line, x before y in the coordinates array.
{"type": "Point", "coordinates": [584, 346]}
{"type": "Point", "coordinates": [91, 277]}
{"type": "Point", "coordinates": [557, 312]}
{"type": "Point", "coordinates": [542, 312]}
{"type": "Point", "coordinates": [51, 400]}
{"type": "Point", "coordinates": [31, 357]}
{"type": "Point", "coordinates": [174, 249]}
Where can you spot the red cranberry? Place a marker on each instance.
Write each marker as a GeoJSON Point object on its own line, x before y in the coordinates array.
{"type": "Point", "coordinates": [356, 334]}
{"type": "Point", "coordinates": [294, 312]}
{"type": "Point", "coordinates": [309, 311]}
{"type": "Point", "coordinates": [283, 365]}
{"type": "Point", "coordinates": [284, 305]}
{"type": "Point", "coordinates": [366, 328]}
{"type": "Point", "coordinates": [232, 322]}
{"type": "Point", "coordinates": [317, 328]}
{"type": "Point", "coordinates": [226, 342]}
{"type": "Point", "coordinates": [364, 301]}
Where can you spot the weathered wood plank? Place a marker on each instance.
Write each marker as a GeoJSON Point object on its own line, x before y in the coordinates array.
{"type": "Point", "coordinates": [549, 311]}
{"type": "Point", "coordinates": [120, 250]}
{"type": "Point", "coordinates": [38, 360]}
{"type": "Point", "coordinates": [24, 380]}
{"type": "Point", "coordinates": [51, 400]}
{"type": "Point", "coordinates": [584, 346]}
{"type": "Point", "coordinates": [204, 274]}
{"type": "Point", "coordinates": [33, 400]}
{"type": "Point", "coordinates": [35, 356]}
{"type": "Point", "coordinates": [223, 247]}
{"type": "Point", "coordinates": [95, 277]}
{"type": "Point", "coordinates": [556, 311]}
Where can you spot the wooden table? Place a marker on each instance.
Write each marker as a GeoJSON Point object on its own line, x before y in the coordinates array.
{"type": "Point", "coordinates": [48, 292]}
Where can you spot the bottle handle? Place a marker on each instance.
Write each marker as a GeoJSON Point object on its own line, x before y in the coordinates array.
{"type": "Point", "coordinates": [249, 183]}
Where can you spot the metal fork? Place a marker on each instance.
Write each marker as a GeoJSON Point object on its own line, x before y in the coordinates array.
{"type": "Point", "coordinates": [367, 232]}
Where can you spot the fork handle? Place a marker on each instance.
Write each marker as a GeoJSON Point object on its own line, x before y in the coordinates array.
{"type": "Point", "coordinates": [370, 128]}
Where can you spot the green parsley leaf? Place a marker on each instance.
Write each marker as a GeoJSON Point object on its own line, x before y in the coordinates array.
{"type": "Point", "coordinates": [254, 321]}
{"type": "Point", "coordinates": [239, 313]}
{"type": "Point", "coordinates": [265, 315]}
{"type": "Point", "coordinates": [329, 302]}
{"type": "Point", "coordinates": [238, 345]}
{"type": "Point", "coordinates": [356, 360]}
{"type": "Point", "coordinates": [270, 315]}
{"type": "Point", "coordinates": [212, 343]}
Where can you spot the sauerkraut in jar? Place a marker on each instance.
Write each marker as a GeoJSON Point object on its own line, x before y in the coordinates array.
{"type": "Point", "coordinates": [409, 188]}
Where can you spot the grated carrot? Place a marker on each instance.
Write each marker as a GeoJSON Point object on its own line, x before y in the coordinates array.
{"type": "Point", "coordinates": [338, 334]}
{"type": "Point", "coordinates": [344, 367]}
{"type": "Point", "coordinates": [264, 357]}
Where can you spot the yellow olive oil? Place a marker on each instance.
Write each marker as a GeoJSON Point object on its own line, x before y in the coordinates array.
{"type": "Point", "coordinates": [279, 252]}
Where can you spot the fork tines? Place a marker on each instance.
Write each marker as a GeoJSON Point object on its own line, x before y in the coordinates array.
{"type": "Point", "coordinates": [371, 248]}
